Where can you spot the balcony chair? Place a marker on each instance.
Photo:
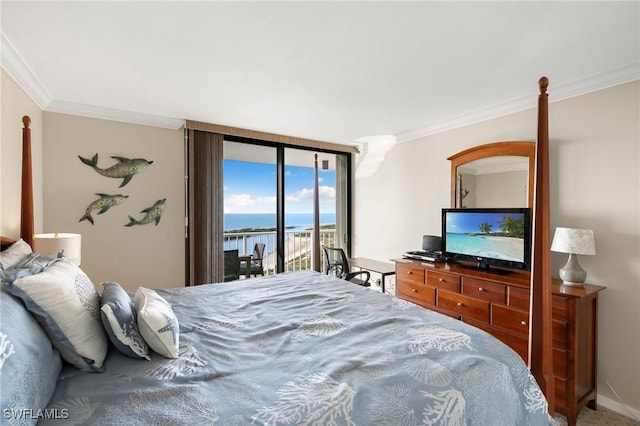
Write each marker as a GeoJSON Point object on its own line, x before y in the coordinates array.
{"type": "Point", "coordinates": [256, 261]}
{"type": "Point", "coordinates": [336, 264]}
{"type": "Point", "coordinates": [231, 265]}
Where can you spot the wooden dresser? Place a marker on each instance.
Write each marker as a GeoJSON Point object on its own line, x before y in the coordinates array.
{"type": "Point", "coordinates": [499, 304]}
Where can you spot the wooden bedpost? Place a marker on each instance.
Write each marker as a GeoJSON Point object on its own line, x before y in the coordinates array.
{"type": "Point", "coordinates": [26, 209]}
{"type": "Point", "coordinates": [541, 339]}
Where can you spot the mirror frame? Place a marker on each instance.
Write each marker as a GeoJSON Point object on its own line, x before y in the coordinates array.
{"type": "Point", "coordinates": [494, 149]}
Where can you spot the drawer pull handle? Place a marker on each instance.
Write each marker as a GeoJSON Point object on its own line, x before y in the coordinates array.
{"type": "Point", "coordinates": [481, 289]}
{"type": "Point", "coordinates": [413, 290]}
{"type": "Point", "coordinates": [460, 304]}
{"type": "Point", "coordinates": [441, 280]}
{"type": "Point", "coordinates": [409, 272]}
{"type": "Point", "coordinates": [523, 322]}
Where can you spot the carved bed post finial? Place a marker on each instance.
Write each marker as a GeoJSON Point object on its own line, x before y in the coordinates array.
{"type": "Point", "coordinates": [26, 120]}
{"type": "Point", "coordinates": [543, 83]}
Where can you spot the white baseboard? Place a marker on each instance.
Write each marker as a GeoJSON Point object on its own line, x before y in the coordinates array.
{"type": "Point", "coordinates": [618, 407]}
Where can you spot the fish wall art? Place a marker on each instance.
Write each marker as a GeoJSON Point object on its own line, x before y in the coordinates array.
{"type": "Point", "coordinates": [124, 169]}
{"type": "Point", "coordinates": [151, 214]}
{"type": "Point", "coordinates": [102, 204]}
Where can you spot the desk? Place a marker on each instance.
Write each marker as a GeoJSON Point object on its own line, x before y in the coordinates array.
{"type": "Point", "coordinates": [382, 268]}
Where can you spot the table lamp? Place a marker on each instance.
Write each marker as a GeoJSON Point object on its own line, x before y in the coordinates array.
{"type": "Point", "coordinates": [573, 241]}
{"type": "Point", "coordinates": [53, 243]}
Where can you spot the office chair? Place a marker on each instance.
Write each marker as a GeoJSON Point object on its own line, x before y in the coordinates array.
{"type": "Point", "coordinates": [256, 261]}
{"type": "Point", "coordinates": [336, 264]}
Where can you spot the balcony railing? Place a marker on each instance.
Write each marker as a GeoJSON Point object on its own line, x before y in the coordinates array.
{"type": "Point", "coordinates": [297, 251]}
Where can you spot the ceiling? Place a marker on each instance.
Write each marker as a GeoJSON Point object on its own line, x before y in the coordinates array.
{"type": "Point", "coordinates": [343, 72]}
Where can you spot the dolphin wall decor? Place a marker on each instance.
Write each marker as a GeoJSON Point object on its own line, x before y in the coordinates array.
{"type": "Point", "coordinates": [125, 168]}
{"type": "Point", "coordinates": [152, 214]}
{"type": "Point", "coordinates": [102, 204]}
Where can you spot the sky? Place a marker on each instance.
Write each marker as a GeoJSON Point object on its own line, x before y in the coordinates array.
{"type": "Point", "coordinates": [466, 222]}
{"type": "Point", "coordinates": [251, 188]}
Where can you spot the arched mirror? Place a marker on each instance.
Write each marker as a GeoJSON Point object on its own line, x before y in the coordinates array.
{"type": "Point", "coordinates": [499, 174]}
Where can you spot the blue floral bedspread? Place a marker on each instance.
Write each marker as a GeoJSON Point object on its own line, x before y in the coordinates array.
{"type": "Point", "coordinates": [304, 348]}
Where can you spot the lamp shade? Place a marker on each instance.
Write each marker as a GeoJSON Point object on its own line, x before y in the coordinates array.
{"type": "Point", "coordinates": [574, 241]}
{"type": "Point", "coordinates": [53, 243]}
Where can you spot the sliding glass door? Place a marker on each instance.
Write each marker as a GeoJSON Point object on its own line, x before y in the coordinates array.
{"type": "Point", "coordinates": [268, 199]}
{"type": "Point", "coordinates": [250, 203]}
{"type": "Point", "coordinates": [299, 193]}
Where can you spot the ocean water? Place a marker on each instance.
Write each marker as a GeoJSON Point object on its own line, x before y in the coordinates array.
{"type": "Point", "coordinates": [294, 222]}
{"type": "Point", "coordinates": [486, 246]}
{"type": "Point", "coordinates": [299, 221]}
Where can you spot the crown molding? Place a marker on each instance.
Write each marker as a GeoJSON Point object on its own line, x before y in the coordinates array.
{"type": "Point", "coordinates": [593, 83]}
{"type": "Point", "coordinates": [92, 111]}
{"type": "Point", "coordinates": [14, 65]}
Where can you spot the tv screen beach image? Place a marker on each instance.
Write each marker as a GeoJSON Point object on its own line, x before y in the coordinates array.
{"type": "Point", "coordinates": [491, 235]}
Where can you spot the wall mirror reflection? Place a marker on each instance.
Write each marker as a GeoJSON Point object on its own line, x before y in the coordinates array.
{"type": "Point", "coordinates": [498, 174]}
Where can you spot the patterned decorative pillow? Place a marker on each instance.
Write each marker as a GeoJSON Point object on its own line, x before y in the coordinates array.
{"type": "Point", "coordinates": [32, 264]}
{"type": "Point", "coordinates": [14, 254]}
{"type": "Point", "coordinates": [120, 323]}
{"type": "Point", "coordinates": [67, 306]}
{"type": "Point", "coordinates": [29, 365]}
{"type": "Point", "coordinates": [157, 322]}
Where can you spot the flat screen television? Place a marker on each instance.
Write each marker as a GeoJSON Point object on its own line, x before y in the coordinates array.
{"type": "Point", "coordinates": [489, 237]}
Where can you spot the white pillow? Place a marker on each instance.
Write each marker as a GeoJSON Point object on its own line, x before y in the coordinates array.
{"type": "Point", "coordinates": [67, 306]}
{"type": "Point", "coordinates": [157, 323]}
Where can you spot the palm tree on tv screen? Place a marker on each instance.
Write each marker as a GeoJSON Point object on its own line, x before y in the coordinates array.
{"type": "Point", "coordinates": [512, 227]}
{"type": "Point", "coordinates": [485, 228]}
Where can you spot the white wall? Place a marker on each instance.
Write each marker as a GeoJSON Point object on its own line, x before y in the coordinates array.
{"type": "Point", "coordinates": [141, 255]}
{"type": "Point", "coordinates": [513, 189]}
{"type": "Point", "coordinates": [595, 180]}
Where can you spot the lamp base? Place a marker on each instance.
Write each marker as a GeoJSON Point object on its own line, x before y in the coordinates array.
{"type": "Point", "coordinates": [572, 273]}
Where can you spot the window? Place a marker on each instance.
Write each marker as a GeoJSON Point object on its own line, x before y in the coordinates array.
{"type": "Point", "coordinates": [251, 201]}
{"type": "Point", "coordinates": [243, 191]}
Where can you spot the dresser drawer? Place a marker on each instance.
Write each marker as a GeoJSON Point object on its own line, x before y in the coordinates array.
{"type": "Point", "coordinates": [484, 290]}
{"type": "Point", "coordinates": [515, 342]}
{"type": "Point", "coordinates": [560, 363]}
{"type": "Point", "coordinates": [416, 292]}
{"type": "Point", "coordinates": [409, 273]}
{"type": "Point", "coordinates": [561, 394]}
{"type": "Point", "coordinates": [464, 306]}
{"type": "Point", "coordinates": [559, 331]}
{"type": "Point", "coordinates": [559, 308]}
{"type": "Point", "coordinates": [444, 281]}
{"type": "Point", "coordinates": [510, 319]}
{"type": "Point", "coordinates": [518, 298]}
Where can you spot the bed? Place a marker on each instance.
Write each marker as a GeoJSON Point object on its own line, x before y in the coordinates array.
{"type": "Point", "coordinates": [294, 348]}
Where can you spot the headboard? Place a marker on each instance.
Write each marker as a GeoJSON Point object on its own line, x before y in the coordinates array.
{"type": "Point", "coordinates": [5, 242]}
